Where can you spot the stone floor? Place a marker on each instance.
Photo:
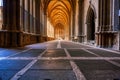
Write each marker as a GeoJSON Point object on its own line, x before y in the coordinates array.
{"type": "Point", "coordinates": [59, 60]}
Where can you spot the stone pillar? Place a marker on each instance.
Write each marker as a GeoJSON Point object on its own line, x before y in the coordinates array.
{"type": "Point", "coordinates": [22, 6]}
{"type": "Point", "coordinates": [80, 23]}
{"type": "Point", "coordinates": [25, 15]}
{"type": "Point", "coordinates": [11, 30]}
{"type": "Point", "coordinates": [76, 21]}
{"type": "Point", "coordinates": [42, 26]}
{"type": "Point", "coordinates": [34, 20]}
{"type": "Point", "coordinates": [37, 16]}
{"type": "Point", "coordinates": [70, 28]}
{"type": "Point", "coordinates": [45, 27]}
{"type": "Point", "coordinates": [31, 15]}
{"type": "Point", "coordinates": [37, 13]}
{"type": "Point", "coordinates": [105, 32]}
{"type": "Point", "coordinates": [28, 23]}
{"type": "Point", "coordinates": [73, 26]}
{"type": "Point", "coordinates": [11, 10]}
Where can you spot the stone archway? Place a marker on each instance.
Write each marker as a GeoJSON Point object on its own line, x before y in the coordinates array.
{"type": "Point", "coordinates": [90, 21]}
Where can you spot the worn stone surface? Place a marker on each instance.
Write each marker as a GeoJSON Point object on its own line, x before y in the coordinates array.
{"type": "Point", "coordinates": [8, 68]}
{"type": "Point", "coordinates": [30, 53]}
{"type": "Point", "coordinates": [55, 53]}
{"type": "Point", "coordinates": [52, 64]}
{"type": "Point", "coordinates": [55, 63]}
{"type": "Point", "coordinates": [49, 75]}
{"type": "Point", "coordinates": [98, 70]}
{"type": "Point", "coordinates": [9, 52]}
{"type": "Point", "coordinates": [79, 53]}
{"type": "Point", "coordinates": [104, 53]}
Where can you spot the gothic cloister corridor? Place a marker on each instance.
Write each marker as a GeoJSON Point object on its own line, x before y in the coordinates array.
{"type": "Point", "coordinates": [59, 60]}
{"type": "Point", "coordinates": [59, 39]}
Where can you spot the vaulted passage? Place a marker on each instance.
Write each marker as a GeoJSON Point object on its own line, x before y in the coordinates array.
{"type": "Point", "coordinates": [60, 40]}
{"type": "Point", "coordinates": [59, 15]}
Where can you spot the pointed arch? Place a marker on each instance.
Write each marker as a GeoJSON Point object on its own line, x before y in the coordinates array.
{"type": "Point", "coordinates": [90, 21]}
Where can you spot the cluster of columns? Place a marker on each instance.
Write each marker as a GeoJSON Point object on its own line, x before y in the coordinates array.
{"type": "Point", "coordinates": [11, 33]}
{"type": "Point", "coordinates": [23, 23]}
{"type": "Point", "coordinates": [28, 20]}
{"type": "Point", "coordinates": [105, 35]}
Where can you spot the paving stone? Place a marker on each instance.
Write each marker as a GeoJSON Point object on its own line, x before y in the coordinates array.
{"type": "Point", "coordinates": [49, 75]}
{"type": "Point", "coordinates": [30, 53]}
{"type": "Point", "coordinates": [79, 53]}
{"type": "Point", "coordinates": [52, 64]}
{"type": "Point", "coordinates": [55, 53]}
{"type": "Point", "coordinates": [118, 61]}
{"type": "Point", "coordinates": [52, 44]}
{"type": "Point", "coordinates": [9, 52]}
{"type": "Point", "coordinates": [59, 69]}
{"type": "Point", "coordinates": [66, 44]}
{"type": "Point", "coordinates": [8, 68]}
{"type": "Point", "coordinates": [7, 74]}
{"type": "Point", "coordinates": [13, 64]}
{"type": "Point", "coordinates": [104, 53]}
{"type": "Point", "coordinates": [98, 69]}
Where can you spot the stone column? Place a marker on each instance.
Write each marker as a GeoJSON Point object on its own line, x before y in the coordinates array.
{"type": "Point", "coordinates": [70, 27]}
{"type": "Point", "coordinates": [34, 20]}
{"type": "Point", "coordinates": [45, 27]}
{"type": "Point", "coordinates": [105, 32]}
{"type": "Point", "coordinates": [31, 15]}
{"type": "Point", "coordinates": [11, 15]}
{"type": "Point", "coordinates": [22, 15]}
{"type": "Point", "coordinates": [28, 23]}
{"type": "Point", "coordinates": [80, 28]}
{"type": "Point", "coordinates": [11, 32]}
{"type": "Point", "coordinates": [37, 16]}
{"type": "Point", "coordinates": [73, 26]}
{"type": "Point", "coordinates": [25, 15]}
{"type": "Point", "coordinates": [37, 13]}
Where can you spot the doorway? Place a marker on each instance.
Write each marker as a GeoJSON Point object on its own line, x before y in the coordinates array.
{"type": "Point", "coordinates": [90, 26]}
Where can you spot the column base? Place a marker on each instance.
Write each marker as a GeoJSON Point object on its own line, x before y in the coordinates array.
{"type": "Point", "coordinates": [30, 38]}
{"type": "Point", "coordinates": [81, 38]}
{"type": "Point", "coordinates": [19, 39]}
{"type": "Point", "coordinates": [11, 39]}
{"type": "Point", "coordinates": [107, 39]}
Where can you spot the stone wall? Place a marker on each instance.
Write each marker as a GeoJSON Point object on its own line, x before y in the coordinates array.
{"type": "Point", "coordinates": [94, 5]}
{"type": "Point", "coordinates": [116, 41]}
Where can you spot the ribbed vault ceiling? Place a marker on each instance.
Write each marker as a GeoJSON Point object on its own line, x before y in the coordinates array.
{"type": "Point", "coordinates": [58, 12]}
